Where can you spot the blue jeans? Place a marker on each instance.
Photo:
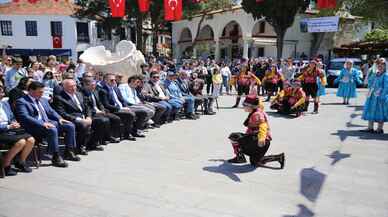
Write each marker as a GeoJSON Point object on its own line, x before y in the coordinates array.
{"type": "Point", "coordinates": [189, 100]}
{"type": "Point", "coordinates": [167, 106]}
{"type": "Point", "coordinates": [176, 105]}
{"type": "Point", "coordinates": [51, 135]}
{"type": "Point", "coordinates": [225, 83]}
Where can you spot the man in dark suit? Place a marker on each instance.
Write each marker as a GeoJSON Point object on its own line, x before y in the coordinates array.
{"type": "Point", "coordinates": [112, 101]}
{"type": "Point", "coordinates": [69, 103]}
{"type": "Point", "coordinates": [109, 123]}
{"type": "Point", "coordinates": [41, 121]}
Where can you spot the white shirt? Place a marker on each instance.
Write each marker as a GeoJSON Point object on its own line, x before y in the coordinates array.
{"type": "Point", "coordinates": [3, 115]}
{"type": "Point", "coordinates": [37, 107]}
{"type": "Point", "coordinates": [95, 103]}
{"type": "Point", "coordinates": [117, 101]}
{"type": "Point", "coordinates": [161, 93]}
{"type": "Point", "coordinates": [225, 71]}
{"type": "Point", "coordinates": [75, 99]}
{"type": "Point", "coordinates": [80, 70]}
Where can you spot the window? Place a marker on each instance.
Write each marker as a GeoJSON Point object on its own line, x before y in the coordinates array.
{"type": "Point", "coordinates": [83, 32]}
{"type": "Point", "coordinates": [56, 28]}
{"type": "Point", "coordinates": [123, 35]}
{"type": "Point", "coordinates": [260, 52]}
{"type": "Point", "coordinates": [100, 30]}
{"type": "Point", "coordinates": [31, 28]}
{"type": "Point", "coordinates": [6, 27]}
{"type": "Point", "coordinates": [262, 27]}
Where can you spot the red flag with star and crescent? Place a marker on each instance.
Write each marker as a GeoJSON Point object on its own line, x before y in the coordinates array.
{"type": "Point", "coordinates": [117, 8]}
{"type": "Point", "coordinates": [326, 4]}
{"type": "Point", "coordinates": [144, 5]}
{"type": "Point", "coordinates": [173, 10]}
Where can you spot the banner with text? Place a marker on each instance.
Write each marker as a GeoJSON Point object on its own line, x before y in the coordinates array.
{"type": "Point", "coordinates": [321, 24]}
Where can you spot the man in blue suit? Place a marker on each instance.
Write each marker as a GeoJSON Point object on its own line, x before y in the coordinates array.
{"type": "Point", "coordinates": [112, 100]}
{"type": "Point", "coordinates": [40, 120]}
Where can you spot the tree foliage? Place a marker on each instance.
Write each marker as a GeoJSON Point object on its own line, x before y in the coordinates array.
{"type": "Point", "coordinates": [369, 10]}
{"type": "Point", "coordinates": [377, 35]}
{"type": "Point", "coordinates": [99, 10]}
{"type": "Point", "coordinates": [372, 10]}
{"type": "Point", "coordinates": [280, 14]}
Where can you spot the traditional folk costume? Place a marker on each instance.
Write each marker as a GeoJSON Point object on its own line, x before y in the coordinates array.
{"type": "Point", "coordinates": [254, 85]}
{"type": "Point", "coordinates": [290, 100]}
{"type": "Point", "coordinates": [257, 138]}
{"type": "Point", "coordinates": [376, 105]}
{"type": "Point", "coordinates": [271, 81]}
{"type": "Point", "coordinates": [310, 85]}
{"type": "Point", "coordinates": [243, 84]}
{"type": "Point", "coordinates": [348, 80]}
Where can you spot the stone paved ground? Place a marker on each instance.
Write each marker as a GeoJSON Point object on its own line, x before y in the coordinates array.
{"type": "Point", "coordinates": [332, 170]}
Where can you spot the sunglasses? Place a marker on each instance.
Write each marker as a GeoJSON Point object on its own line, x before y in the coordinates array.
{"type": "Point", "coordinates": [155, 77]}
{"type": "Point", "coordinates": [112, 80]}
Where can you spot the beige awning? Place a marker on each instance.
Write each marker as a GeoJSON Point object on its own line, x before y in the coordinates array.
{"type": "Point", "coordinates": [264, 41]}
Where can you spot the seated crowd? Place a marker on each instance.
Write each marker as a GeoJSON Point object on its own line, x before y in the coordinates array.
{"type": "Point", "coordinates": [85, 112]}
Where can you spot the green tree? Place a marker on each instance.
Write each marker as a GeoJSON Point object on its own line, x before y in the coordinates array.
{"type": "Point", "coordinates": [280, 14]}
{"type": "Point", "coordinates": [377, 35]}
{"type": "Point", "coordinates": [370, 10]}
{"type": "Point", "coordinates": [366, 10]}
{"type": "Point", "coordinates": [99, 10]}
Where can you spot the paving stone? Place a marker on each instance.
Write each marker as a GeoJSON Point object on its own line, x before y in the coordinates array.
{"type": "Point", "coordinates": [179, 170]}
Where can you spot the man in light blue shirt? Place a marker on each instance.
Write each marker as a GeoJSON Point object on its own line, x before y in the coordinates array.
{"type": "Point", "coordinates": [130, 96]}
{"type": "Point", "coordinates": [13, 76]}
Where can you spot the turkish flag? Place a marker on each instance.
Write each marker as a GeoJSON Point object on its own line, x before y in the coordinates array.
{"type": "Point", "coordinates": [173, 10]}
{"type": "Point", "coordinates": [57, 42]}
{"type": "Point", "coordinates": [327, 3]}
{"type": "Point", "coordinates": [144, 5]}
{"type": "Point", "coordinates": [117, 8]}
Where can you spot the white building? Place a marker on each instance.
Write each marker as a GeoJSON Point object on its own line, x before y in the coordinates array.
{"type": "Point", "coordinates": [30, 29]}
{"type": "Point", "coordinates": [234, 33]}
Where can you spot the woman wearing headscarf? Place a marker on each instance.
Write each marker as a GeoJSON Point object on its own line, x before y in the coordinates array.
{"type": "Point", "coordinates": [376, 105]}
{"type": "Point", "coordinates": [348, 79]}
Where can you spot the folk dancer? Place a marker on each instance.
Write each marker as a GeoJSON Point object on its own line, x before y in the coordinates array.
{"type": "Point", "coordinates": [348, 79]}
{"type": "Point", "coordinates": [376, 105]}
{"type": "Point", "coordinates": [257, 138]}
{"type": "Point", "coordinates": [309, 78]}
{"type": "Point", "coordinates": [290, 100]}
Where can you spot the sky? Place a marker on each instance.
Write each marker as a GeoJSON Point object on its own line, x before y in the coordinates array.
{"type": "Point", "coordinates": [4, 1]}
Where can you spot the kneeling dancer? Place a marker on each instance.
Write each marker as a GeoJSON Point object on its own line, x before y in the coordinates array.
{"type": "Point", "coordinates": [257, 138]}
{"type": "Point", "coordinates": [290, 100]}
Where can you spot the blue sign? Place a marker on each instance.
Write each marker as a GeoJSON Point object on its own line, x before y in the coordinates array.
{"type": "Point", "coordinates": [320, 24]}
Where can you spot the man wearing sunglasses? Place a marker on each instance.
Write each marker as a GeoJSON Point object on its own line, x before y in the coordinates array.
{"type": "Point", "coordinates": [113, 101]}
{"type": "Point", "coordinates": [155, 93]}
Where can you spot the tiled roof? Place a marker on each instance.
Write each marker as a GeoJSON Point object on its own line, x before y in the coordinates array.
{"type": "Point", "coordinates": [41, 7]}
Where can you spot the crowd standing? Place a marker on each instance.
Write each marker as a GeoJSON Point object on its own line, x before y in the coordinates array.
{"type": "Point", "coordinates": [43, 100]}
